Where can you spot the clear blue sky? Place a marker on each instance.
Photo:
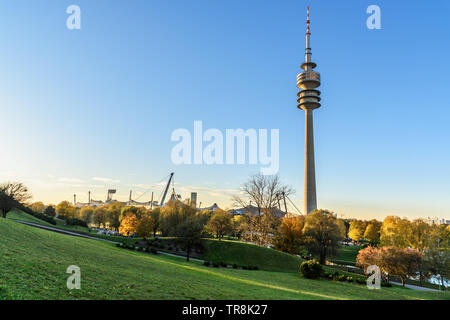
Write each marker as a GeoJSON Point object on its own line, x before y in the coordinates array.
{"type": "Point", "coordinates": [102, 102]}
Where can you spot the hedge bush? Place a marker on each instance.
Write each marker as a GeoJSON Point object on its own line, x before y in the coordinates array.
{"type": "Point", "coordinates": [311, 269]}
{"type": "Point", "coordinates": [76, 222]}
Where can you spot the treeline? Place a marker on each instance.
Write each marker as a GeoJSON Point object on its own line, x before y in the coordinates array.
{"type": "Point", "coordinates": [405, 248]}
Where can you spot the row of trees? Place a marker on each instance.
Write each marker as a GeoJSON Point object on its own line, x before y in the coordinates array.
{"type": "Point", "coordinates": [410, 248]}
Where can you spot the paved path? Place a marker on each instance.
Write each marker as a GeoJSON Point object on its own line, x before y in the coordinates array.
{"type": "Point", "coordinates": [93, 238]}
{"type": "Point", "coordinates": [63, 231]}
{"type": "Point", "coordinates": [411, 286]}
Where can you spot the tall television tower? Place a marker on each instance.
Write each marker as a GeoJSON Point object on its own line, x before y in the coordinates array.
{"type": "Point", "coordinates": [308, 100]}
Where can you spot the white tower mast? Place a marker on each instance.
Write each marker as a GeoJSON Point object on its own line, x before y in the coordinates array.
{"type": "Point", "coordinates": [308, 100]}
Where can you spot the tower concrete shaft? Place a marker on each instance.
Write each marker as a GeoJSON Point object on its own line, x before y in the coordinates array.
{"type": "Point", "coordinates": [310, 197]}
{"type": "Point", "coordinates": [308, 100]}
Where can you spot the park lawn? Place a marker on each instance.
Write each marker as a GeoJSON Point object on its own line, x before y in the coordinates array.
{"type": "Point", "coordinates": [245, 254]}
{"type": "Point", "coordinates": [34, 261]}
{"type": "Point", "coordinates": [347, 254]}
{"type": "Point", "coordinates": [17, 214]}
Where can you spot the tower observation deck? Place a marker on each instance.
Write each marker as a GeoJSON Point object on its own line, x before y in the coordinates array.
{"type": "Point", "coordinates": [309, 99]}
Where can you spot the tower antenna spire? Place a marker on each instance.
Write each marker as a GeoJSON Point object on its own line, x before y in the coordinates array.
{"type": "Point", "coordinates": [307, 20]}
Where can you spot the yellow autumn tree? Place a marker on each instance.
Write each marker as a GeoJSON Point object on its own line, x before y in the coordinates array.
{"type": "Point", "coordinates": [128, 225]}
{"type": "Point", "coordinates": [393, 232]}
{"type": "Point", "coordinates": [372, 233]}
{"type": "Point", "coordinates": [356, 230]}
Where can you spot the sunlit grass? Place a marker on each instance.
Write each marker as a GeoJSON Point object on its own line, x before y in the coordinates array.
{"type": "Point", "coordinates": [34, 261]}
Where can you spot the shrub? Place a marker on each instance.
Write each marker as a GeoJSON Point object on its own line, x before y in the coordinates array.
{"type": "Point", "coordinates": [153, 251]}
{"type": "Point", "coordinates": [119, 245]}
{"type": "Point", "coordinates": [223, 264]}
{"type": "Point", "coordinates": [349, 279]}
{"type": "Point", "coordinates": [341, 277]}
{"type": "Point", "coordinates": [311, 269]}
{"type": "Point", "coordinates": [360, 281]}
{"type": "Point", "coordinates": [76, 222]}
{"type": "Point", "coordinates": [216, 264]}
{"type": "Point", "coordinates": [37, 214]}
{"type": "Point", "coordinates": [235, 266]}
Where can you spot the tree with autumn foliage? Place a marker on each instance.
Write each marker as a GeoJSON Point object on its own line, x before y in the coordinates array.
{"type": "Point", "coordinates": [38, 207]}
{"type": "Point", "coordinates": [289, 237]}
{"type": "Point", "coordinates": [356, 230]}
{"type": "Point", "coordinates": [129, 224]}
{"type": "Point", "coordinates": [372, 232]}
{"type": "Point", "coordinates": [400, 262]}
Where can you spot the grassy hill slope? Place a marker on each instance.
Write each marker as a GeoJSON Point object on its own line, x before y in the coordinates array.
{"type": "Point", "coordinates": [244, 254]}
{"type": "Point", "coordinates": [17, 214]}
{"type": "Point", "coordinates": [34, 261]}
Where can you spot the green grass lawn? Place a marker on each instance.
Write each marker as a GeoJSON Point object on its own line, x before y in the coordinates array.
{"type": "Point", "coordinates": [347, 254]}
{"type": "Point", "coordinates": [34, 261]}
{"type": "Point", "coordinates": [244, 254]}
{"type": "Point", "coordinates": [17, 214]}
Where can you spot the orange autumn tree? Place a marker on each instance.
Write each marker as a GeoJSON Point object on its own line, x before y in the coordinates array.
{"type": "Point", "coordinates": [128, 225]}
{"type": "Point", "coordinates": [289, 237]}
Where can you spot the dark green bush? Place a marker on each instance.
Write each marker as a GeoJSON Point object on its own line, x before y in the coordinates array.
{"type": "Point", "coordinates": [311, 269]}
{"type": "Point", "coordinates": [216, 264]}
{"type": "Point", "coordinates": [153, 251]}
{"type": "Point", "coordinates": [235, 266]}
{"type": "Point", "coordinates": [37, 214]}
{"type": "Point", "coordinates": [75, 222]}
{"type": "Point", "coordinates": [206, 263]}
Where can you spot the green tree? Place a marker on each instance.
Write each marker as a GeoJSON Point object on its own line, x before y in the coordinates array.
{"type": "Point", "coordinates": [220, 224]}
{"type": "Point", "coordinates": [189, 233]}
{"type": "Point", "coordinates": [144, 227]}
{"type": "Point", "coordinates": [113, 213]}
{"type": "Point", "coordinates": [100, 216]}
{"type": "Point", "coordinates": [155, 214]}
{"type": "Point", "coordinates": [50, 211]}
{"type": "Point", "coordinates": [87, 214]}
{"type": "Point", "coordinates": [322, 234]}
{"type": "Point", "coordinates": [65, 210]}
